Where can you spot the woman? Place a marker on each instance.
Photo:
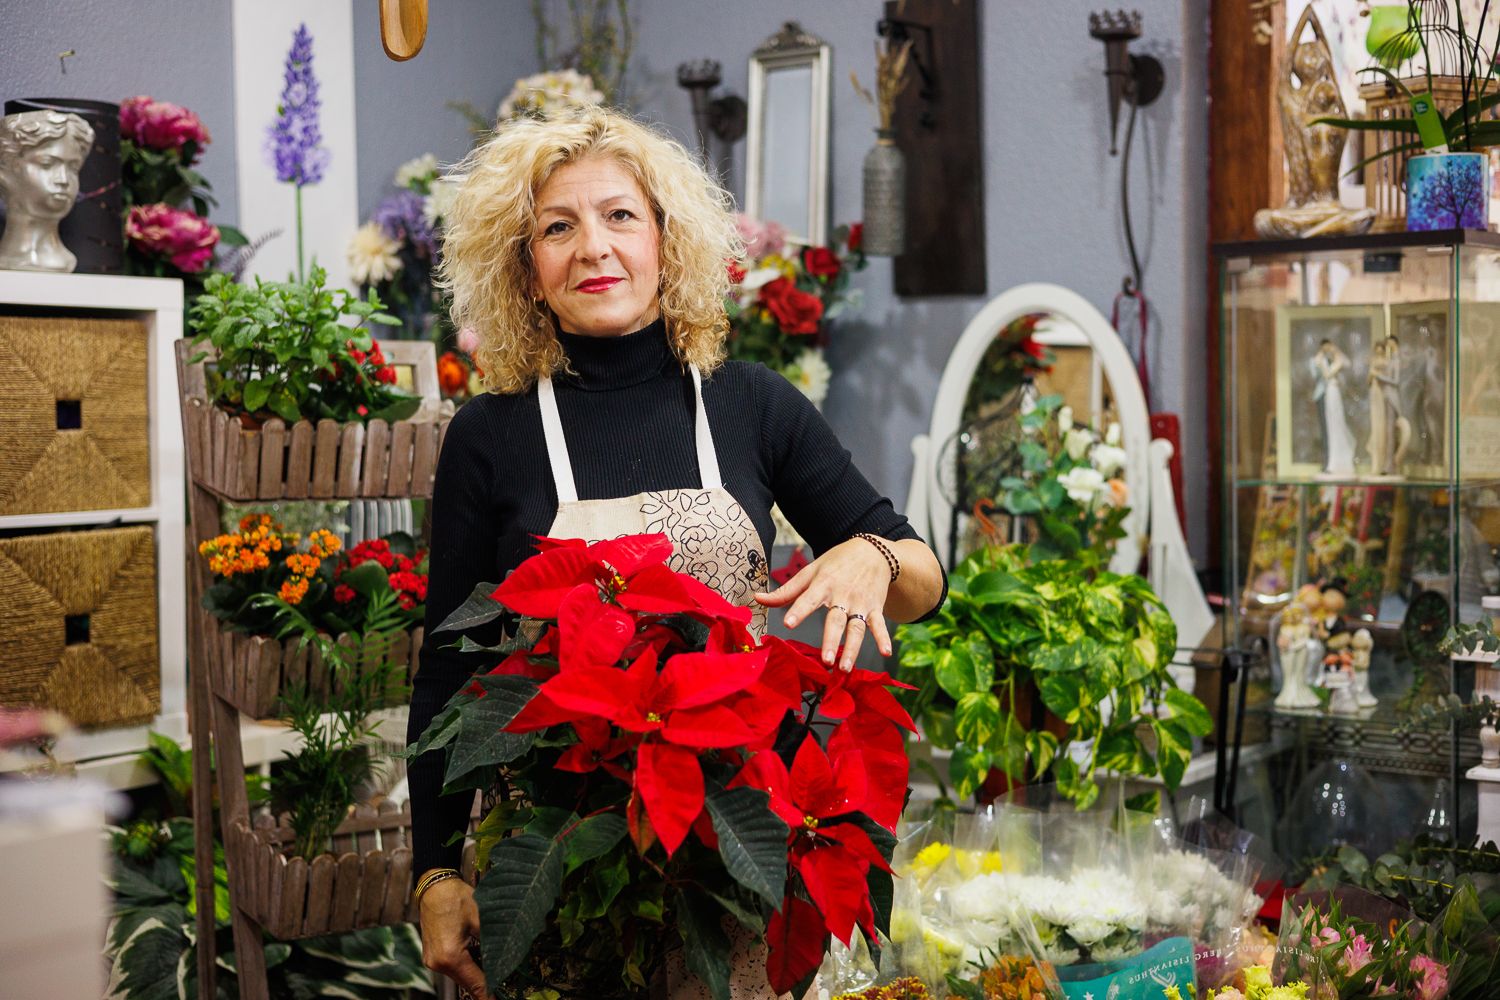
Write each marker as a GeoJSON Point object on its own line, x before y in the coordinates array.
{"type": "Point", "coordinates": [1328, 367]}
{"type": "Point", "coordinates": [589, 254]}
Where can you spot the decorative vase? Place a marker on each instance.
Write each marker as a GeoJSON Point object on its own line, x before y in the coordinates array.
{"type": "Point", "coordinates": [1447, 191]}
{"type": "Point", "coordinates": [1489, 746]}
{"type": "Point", "coordinates": [884, 197]}
{"type": "Point", "coordinates": [94, 230]}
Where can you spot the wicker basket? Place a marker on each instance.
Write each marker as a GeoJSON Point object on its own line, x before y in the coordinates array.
{"type": "Point", "coordinates": [365, 881]}
{"type": "Point", "coordinates": [78, 625]}
{"type": "Point", "coordinates": [305, 461]}
{"type": "Point", "coordinates": [1385, 178]}
{"type": "Point", "coordinates": [73, 415]}
{"type": "Point", "coordinates": [251, 671]}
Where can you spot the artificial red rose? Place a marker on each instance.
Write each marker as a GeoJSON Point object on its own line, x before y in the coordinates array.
{"type": "Point", "coordinates": [1031, 347]}
{"type": "Point", "coordinates": [162, 126]}
{"type": "Point", "coordinates": [821, 262]}
{"type": "Point", "coordinates": [736, 273]}
{"type": "Point", "coordinates": [185, 239]}
{"type": "Point", "coordinates": [796, 311]}
{"type": "Point", "coordinates": [856, 237]}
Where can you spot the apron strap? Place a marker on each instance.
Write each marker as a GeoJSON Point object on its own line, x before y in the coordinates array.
{"type": "Point", "coordinates": [562, 466]}
{"type": "Point", "coordinates": [557, 445]}
{"type": "Point", "coordinates": [708, 458]}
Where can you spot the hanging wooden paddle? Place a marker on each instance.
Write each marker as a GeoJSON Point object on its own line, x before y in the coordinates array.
{"type": "Point", "coordinates": [403, 27]}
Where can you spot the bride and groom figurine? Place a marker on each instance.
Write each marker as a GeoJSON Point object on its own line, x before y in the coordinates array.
{"type": "Point", "coordinates": [1315, 648]}
{"type": "Point", "coordinates": [1390, 430]}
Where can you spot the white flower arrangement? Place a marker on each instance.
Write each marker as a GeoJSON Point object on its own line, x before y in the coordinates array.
{"type": "Point", "coordinates": [417, 173]}
{"type": "Point", "coordinates": [810, 374]}
{"type": "Point", "coordinates": [545, 92]}
{"type": "Point", "coordinates": [439, 202]}
{"type": "Point", "coordinates": [372, 255]}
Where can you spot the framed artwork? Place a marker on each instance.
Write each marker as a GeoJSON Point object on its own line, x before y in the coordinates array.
{"type": "Point", "coordinates": [1322, 388]}
{"type": "Point", "coordinates": [415, 362]}
{"type": "Point", "coordinates": [1420, 369]}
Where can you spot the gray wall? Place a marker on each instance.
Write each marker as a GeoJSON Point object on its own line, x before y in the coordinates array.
{"type": "Point", "coordinates": [1051, 196]}
{"type": "Point", "coordinates": [173, 50]}
{"type": "Point", "coordinates": [1051, 189]}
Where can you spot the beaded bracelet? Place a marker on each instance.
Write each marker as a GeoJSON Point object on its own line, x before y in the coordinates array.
{"type": "Point", "coordinates": [431, 879]}
{"type": "Point", "coordinates": [890, 557]}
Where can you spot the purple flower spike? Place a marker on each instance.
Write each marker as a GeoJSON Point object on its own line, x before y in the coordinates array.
{"type": "Point", "coordinates": [400, 216]}
{"type": "Point", "coordinates": [292, 145]}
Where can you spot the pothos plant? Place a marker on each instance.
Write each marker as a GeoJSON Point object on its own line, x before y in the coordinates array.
{"type": "Point", "coordinates": [284, 350]}
{"type": "Point", "coordinates": [665, 771]}
{"type": "Point", "coordinates": [1017, 638]}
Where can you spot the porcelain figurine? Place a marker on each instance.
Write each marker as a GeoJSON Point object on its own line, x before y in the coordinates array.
{"type": "Point", "coordinates": [1295, 645]}
{"type": "Point", "coordinates": [40, 156]}
{"type": "Point", "coordinates": [1360, 647]}
{"type": "Point", "coordinates": [1329, 365]}
{"type": "Point", "coordinates": [1390, 432]}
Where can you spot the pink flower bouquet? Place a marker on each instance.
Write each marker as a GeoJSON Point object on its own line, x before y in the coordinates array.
{"type": "Point", "coordinates": [172, 235]}
{"type": "Point", "coordinates": [163, 127]}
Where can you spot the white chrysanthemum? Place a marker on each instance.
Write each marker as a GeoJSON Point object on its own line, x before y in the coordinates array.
{"type": "Point", "coordinates": [1083, 484]}
{"type": "Point", "coordinates": [1090, 930]}
{"type": "Point", "coordinates": [982, 898]}
{"type": "Point", "coordinates": [416, 173]}
{"type": "Point", "coordinates": [1077, 441]}
{"type": "Point", "coordinates": [372, 255]}
{"type": "Point", "coordinates": [439, 200]}
{"type": "Point", "coordinates": [810, 374]}
{"type": "Point", "coordinates": [544, 92]}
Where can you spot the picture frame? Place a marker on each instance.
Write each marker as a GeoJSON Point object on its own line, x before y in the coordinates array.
{"type": "Point", "coordinates": [1422, 331]}
{"type": "Point", "coordinates": [1477, 394]}
{"type": "Point", "coordinates": [1301, 449]}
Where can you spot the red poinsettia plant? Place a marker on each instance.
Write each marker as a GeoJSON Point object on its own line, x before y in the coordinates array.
{"type": "Point", "coordinates": [663, 771]}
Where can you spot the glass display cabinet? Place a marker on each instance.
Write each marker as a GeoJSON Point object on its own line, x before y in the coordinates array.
{"type": "Point", "coordinates": [1360, 441]}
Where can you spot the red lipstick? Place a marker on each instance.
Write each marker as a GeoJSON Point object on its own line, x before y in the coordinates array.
{"type": "Point", "coordinates": [595, 285]}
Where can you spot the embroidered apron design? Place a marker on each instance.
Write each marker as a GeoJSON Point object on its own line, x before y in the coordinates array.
{"type": "Point", "coordinates": [713, 539]}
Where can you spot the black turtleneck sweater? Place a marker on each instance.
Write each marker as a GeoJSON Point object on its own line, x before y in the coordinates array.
{"type": "Point", "coordinates": [627, 415]}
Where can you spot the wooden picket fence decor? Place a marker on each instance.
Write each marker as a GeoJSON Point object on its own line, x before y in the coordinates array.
{"type": "Point", "coordinates": [305, 461]}
{"type": "Point", "coordinates": [364, 881]}
{"type": "Point", "coordinates": [251, 671]}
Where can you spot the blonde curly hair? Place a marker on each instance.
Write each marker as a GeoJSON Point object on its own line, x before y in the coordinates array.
{"type": "Point", "coordinates": [487, 261]}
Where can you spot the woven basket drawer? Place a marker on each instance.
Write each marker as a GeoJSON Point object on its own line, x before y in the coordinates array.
{"type": "Point", "coordinates": [73, 415]}
{"type": "Point", "coordinates": [78, 625]}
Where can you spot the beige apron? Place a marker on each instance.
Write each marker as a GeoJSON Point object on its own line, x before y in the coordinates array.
{"type": "Point", "coordinates": [713, 540]}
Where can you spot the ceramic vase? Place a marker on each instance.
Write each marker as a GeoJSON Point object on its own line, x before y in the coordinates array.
{"type": "Point", "coordinates": [884, 197]}
{"type": "Point", "coordinates": [1447, 191]}
{"type": "Point", "coordinates": [1489, 746]}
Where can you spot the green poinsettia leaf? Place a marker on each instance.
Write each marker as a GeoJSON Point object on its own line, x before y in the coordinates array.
{"type": "Point", "coordinates": [479, 609]}
{"type": "Point", "coordinates": [752, 840]}
{"type": "Point", "coordinates": [514, 898]}
{"type": "Point", "coordinates": [482, 741]}
{"type": "Point", "coordinates": [593, 837]}
{"type": "Point", "coordinates": [705, 946]}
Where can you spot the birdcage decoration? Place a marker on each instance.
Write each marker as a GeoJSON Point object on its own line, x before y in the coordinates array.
{"type": "Point", "coordinates": [1408, 40]}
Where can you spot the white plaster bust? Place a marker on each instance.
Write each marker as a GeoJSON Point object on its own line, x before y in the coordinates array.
{"type": "Point", "coordinates": [40, 155]}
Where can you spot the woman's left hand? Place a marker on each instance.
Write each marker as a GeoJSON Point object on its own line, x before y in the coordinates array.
{"type": "Point", "coordinates": [851, 580]}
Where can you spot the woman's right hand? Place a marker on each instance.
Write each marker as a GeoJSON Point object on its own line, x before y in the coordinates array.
{"type": "Point", "coordinates": [450, 920]}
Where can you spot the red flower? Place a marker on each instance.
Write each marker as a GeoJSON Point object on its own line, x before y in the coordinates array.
{"type": "Point", "coordinates": [386, 374]}
{"type": "Point", "coordinates": [185, 239]}
{"type": "Point", "coordinates": [362, 410]}
{"type": "Point", "coordinates": [736, 273]}
{"type": "Point", "coordinates": [163, 126]}
{"type": "Point", "coordinates": [343, 593]}
{"type": "Point", "coordinates": [856, 237]}
{"type": "Point", "coordinates": [796, 311]}
{"type": "Point", "coordinates": [453, 374]}
{"type": "Point", "coordinates": [821, 262]}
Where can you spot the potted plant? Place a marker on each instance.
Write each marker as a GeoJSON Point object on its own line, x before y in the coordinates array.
{"type": "Point", "coordinates": [1018, 639]}
{"type": "Point", "coordinates": [678, 791]}
{"type": "Point", "coordinates": [283, 357]}
{"type": "Point", "coordinates": [1447, 173]}
{"type": "Point", "coordinates": [369, 599]}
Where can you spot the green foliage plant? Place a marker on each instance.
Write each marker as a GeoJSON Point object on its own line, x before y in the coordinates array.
{"type": "Point", "coordinates": [283, 349]}
{"type": "Point", "coordinates": [1465, 129]}
{"type": "Point", "coordinates": [1092, 647]}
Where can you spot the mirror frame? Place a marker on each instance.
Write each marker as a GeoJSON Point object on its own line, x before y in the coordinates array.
{"type": "Point", "coordinates": [792, 46]}
{"type": "Point", "coordinates": [1112, 363]}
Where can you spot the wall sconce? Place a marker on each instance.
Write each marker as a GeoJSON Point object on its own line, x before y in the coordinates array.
{"type": "Point", "coordinates": [724, 117]}
{"type": "Point", "coordinates": [1134, 78]}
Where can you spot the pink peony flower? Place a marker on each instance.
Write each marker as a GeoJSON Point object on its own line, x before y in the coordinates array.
{"type": "Point", "coordinates": [1356, 956]}
{"type": "Point", "coordinates": [161, 126]}
{"type": "Point", "coordinates": [761, 238]}
{"type": "Point", "coordinates": [1434, 982]}
{"type": "Point", "coordinates": [187, 240]}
